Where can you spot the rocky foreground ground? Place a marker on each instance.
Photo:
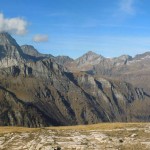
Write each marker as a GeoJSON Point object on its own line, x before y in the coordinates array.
{"type": "Point", "coordinates": [116, 136]}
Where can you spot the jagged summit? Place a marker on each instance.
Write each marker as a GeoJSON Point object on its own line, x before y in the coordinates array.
{"type": "Point", "coordinates": [37, 92]}
{"type": "Point", "coordinates": [6, 39]}
{"type": "Point", "coordinates": [30, 50]}
{"type": "Point", "coordinates": [10, 51]}
{"type": "Point", "coordinates": [63, 60]}
{"type": "Point", "coordinates": [86, 61]}
{"type": "Point", "coordinates": [90, 55]}
{"type": "Point", "coordinates": [125, 57]}
{"type": "Point", "coordinates": [144, 55]}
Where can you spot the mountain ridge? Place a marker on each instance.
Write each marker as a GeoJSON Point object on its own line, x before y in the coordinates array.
{"type": "Point", "coordinates": [44, 90]}
{"type": "Point", "coordinates": [134, 70]}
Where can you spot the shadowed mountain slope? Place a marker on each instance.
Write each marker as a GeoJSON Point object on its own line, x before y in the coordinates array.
{"type": "Point", "coordinates": [134, 70]}
{"type": "Point", "coordinates": [40, 92]}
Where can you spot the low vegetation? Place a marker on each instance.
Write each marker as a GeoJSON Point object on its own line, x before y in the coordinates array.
{"type": "Point", "coordinates": [106, 136]}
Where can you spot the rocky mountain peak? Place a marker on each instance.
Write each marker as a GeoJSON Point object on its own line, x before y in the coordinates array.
{"type": "Point", "coordinates": [91, 53]}
{"type": "Point", "coordinates": [28, 46]}
{"type": "Point", "coordinates": [6, 39]}
{"type": "Point", "coordinates": [89, 56]}
{"type": "Point", "coordinates": [63, 60]}
{"type": "Point", "coordinates": [34, 53]}
{"type": "Point", "coordinates": [88, 59]}
{"type": "Point", "coordinates": [141, 56]}
{"type": "Point", "coordinates": [10, 52]}
{"type": "Point", "coordinates": [125, 57]}
{"type": "Point", "coordinates": [37, 92]}
{"type": "Point", "coordinates": [30, 50]}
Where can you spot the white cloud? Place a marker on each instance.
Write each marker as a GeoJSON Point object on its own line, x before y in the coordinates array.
{"type": "Point", "coordinates": [13, 25]}
{"type": "Point", "coordinates": [127, 6]}
{"type": "Point", "coordinates": [40, 38]}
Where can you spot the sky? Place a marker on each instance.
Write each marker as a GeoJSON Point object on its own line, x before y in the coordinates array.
{"type": "Point", "coordinates": [73, 27]}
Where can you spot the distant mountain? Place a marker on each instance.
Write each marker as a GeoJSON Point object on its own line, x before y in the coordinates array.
{"type": "Point", "coordinates": [10, 51]}
{"type": "Point", "coordinates": [63, 60]}
{"type": "Point", "coordinates": [31, 51]}
{"type": "Point", "coordinates": [134, 70]}
{"type": "Point", "coordinates": [85, 62]}
{"type": "Point", "coordinates": [88, 58]}
{"type": "Point", "coordinates": [6, 39]}
{"type": "Point", "coordinates": [40, 92]}
{"type": "Point", "coordinates": [142, 56]}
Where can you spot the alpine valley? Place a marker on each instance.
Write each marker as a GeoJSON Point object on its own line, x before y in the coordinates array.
{"type": "Point", "coordinates": [42, 90]}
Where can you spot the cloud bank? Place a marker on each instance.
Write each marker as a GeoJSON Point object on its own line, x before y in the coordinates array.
{"type": "Point", "coordinates": [13, 25]}
{"type": "Point", "coordinates": [40, 38]}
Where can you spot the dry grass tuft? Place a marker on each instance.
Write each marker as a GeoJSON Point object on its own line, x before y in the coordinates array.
{"type": "Point", "coordinates": [101, 126]}
{"type": "Point", "coordinates": [17, 129]}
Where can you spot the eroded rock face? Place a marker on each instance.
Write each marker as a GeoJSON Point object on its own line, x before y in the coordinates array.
{"type": "Point", "coordinates": [134, 70]}
{"type": "Point", "coordinates": [93, 137]}
{"type": "Point", "coordinates": [40, 92]}
{"type": "Point", "coordinates": [72, 99]}
{"type": "Point", "coordinates": [10, 52]}
{"type": "Point", "coordinates": [15, 112]}
{"type": "Point", "coordinates": [30, 51]}
{"type": "Point", "coordinates": [6, 39]}
{"type": "Point", "coordinates": [63, 60]}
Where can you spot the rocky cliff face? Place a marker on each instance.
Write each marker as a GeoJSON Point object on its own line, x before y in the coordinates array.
{"type": "Point", "coordinates": [15, 112]}
{"type": "Point", "coordinates": [85, 63]}
{"type": "Point", "coordinates": [32, 52]}
{"type": "Point", "coordinates": [63, 60]}
{"type": "Point", "coordinates": [65, 99]}
{"type": "Point", "coordinates": [94, 62]}
{"type": "Point", "coordinates": [134, 70]}
{"type": "Point", "coordinates": [40, 92]}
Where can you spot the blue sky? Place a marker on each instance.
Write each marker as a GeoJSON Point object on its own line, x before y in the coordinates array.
{"type": "Point", "coordinates": [73, 27]}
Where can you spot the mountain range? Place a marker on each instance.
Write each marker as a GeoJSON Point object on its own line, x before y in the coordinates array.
{"type": "Point", "coordinates": [42, 90]}
{"type": "Point", "coordinates": [135, 70]}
